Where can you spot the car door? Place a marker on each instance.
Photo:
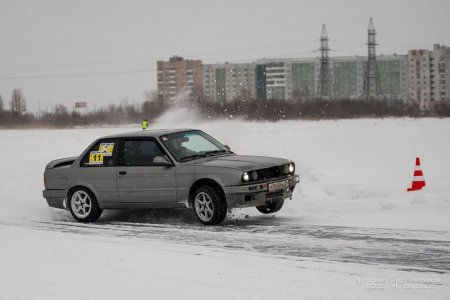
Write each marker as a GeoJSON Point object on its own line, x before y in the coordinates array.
{"type": "Point", "coordinates": [98, 170]}
{"type": "Point", "coordinates": [139, 179]}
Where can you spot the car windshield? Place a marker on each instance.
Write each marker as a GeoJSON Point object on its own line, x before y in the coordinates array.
{"type": "Point", "coordinates": [190, 145]}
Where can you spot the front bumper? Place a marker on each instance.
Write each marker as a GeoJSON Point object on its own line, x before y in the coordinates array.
{"type": "Point", "coordinates": [257, 194]}
{"type": "Point", "coordinates": [55, 198]}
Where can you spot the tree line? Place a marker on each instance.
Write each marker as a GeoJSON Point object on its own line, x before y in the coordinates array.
{"type": "Point", "coordinates": [15, 114]}
{"type": "Point", "coordinates": [300, 108]}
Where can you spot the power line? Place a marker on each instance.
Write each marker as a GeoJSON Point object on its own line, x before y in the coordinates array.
{"type": "Point", "coordinates": [131, 71]}
{"type": "Point", "coordinates": [153, 60]}
{"type": "Point", "coordinates": [384, 44]}
{"type": "Point", "coordinates": [78, 64]}
{"type": "Point", "coordinates": [122, 71]}
{"type": "Point", "coordinates": [78, 74]}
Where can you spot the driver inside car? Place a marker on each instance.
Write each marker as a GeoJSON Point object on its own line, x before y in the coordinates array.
{"type": "Point", "coordinates": [179, 151]}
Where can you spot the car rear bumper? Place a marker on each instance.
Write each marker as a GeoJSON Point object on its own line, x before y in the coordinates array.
{"type": "Point", "coordinates": [55, 198]}
{"type": "Point", "coordinates": [258, 194]}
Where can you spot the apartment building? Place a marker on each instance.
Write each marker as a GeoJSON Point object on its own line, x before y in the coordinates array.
{"type": "Point", "coordinates": [177, 75]}
{"type": "Point", "coordinates": [305, 73]}
{"type": "Point", "coordinates": [440, 75]}
{"type": "Point", "coordinates": [421, 76]}
{"type": "Point", "coordinates": [212, 79]}
{"type": "Point", "coordinates": [347, 77]}
{"type": "Point", "coordinates": [429, 76]}
{"type": "Point", "coordinates": [297, 78]}
{"type": "Point", "coordinates": [393, 74]}
{"type": "Point", "coordinates": [261, 81]}
{"type": "Point", "coordinates": [278, 76]}
{"type": "Point", "coordinates": [229, 81]}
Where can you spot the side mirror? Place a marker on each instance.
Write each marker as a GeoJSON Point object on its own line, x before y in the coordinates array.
{"type": "Point", "coordinates": [161, 161]}
{"type": "Point", "coordinates": [227, 147]}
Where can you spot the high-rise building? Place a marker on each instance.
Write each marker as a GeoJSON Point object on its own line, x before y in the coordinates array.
{"type": "Point", "coordinates": [429, 76]}
{"type": "Point", "coordinates": [298, 78]}
{"type": "Point", "coordinates": [177, 75]}
{"type": "Point", "coordinates": [419, 77]}
{"type": "Point", "coordinates": [304, 73]}
{"type": "Point", "coordinates": [440, 75]}
{"type": "Point", "coordinates": [393, 77]}
{"type": "Point", "coordinates": [229, 81]}
{"type": "Point", "coordinates": [212, 90]}
{"type": "Point", "coordinates": [261, 82]}
{"type": "Point", "coordinates": [349, 74]}
{"type": "Point", "coordinates": [278, 76]}
{"type": "Point", "coordinates": [348, 77]}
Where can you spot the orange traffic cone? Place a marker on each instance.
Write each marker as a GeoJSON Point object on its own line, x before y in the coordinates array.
{"type": "Point", "coordinates": [418, 181]}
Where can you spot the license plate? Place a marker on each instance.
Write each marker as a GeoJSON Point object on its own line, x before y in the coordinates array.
{"type": "Point", "coordinates": [278, 185]}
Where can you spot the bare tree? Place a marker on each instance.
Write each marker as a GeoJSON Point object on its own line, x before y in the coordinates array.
{"type": "Point", "coordinates": [150, 95]}
{"type": "Point", "coordinates": [18, 104]}
{"type": "Point", "coordinates": [153, 104]}
{"type": "Point", "coordinates": [61, 110]}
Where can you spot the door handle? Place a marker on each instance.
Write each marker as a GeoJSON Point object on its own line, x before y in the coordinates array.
{"type": "Point", "coordinates": [122, 172]}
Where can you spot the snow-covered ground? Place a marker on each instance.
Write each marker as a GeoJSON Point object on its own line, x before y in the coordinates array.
{"type": "Point", "coordinates": [39, 264]}
{"type": "Point", "coordinates": [354, 173]}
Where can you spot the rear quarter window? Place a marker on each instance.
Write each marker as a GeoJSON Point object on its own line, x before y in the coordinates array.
{"type": "Point", "coordinates": [102, 154]}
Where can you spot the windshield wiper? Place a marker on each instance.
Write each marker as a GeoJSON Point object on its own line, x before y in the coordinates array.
{"type": "Point", "coordinates": [216, 152]}
{"type": "Point", "coordinates": [204, 154]}
{"type": "Point", "coordinates": [189, 157]}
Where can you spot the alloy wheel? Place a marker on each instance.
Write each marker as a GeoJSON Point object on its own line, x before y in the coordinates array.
{"type": "Point", "coordinates": [204, 206]}
{"type": "Point", "coordinates": [81, 204]}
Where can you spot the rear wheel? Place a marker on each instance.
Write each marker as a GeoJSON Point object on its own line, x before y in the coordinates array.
{"type": "Point", "coordinates": [83, 205]}
{"type": "Point", "coordinates": [271, 207]}
{"type": "Point", "coordinates": [209, 206]}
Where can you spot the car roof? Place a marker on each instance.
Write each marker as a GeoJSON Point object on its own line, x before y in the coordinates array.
{"type": "Point", "coordinates": [156, 133]}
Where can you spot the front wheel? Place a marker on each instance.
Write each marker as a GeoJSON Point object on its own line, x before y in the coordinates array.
{"type": "Point", "coordinates": [209, 206]}
{"type": "Point", "coordinates": [271, 207]}
{"type": "Point", "coordinates": [83, 205]}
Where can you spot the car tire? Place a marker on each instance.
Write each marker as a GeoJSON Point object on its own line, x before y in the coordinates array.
{"type": "Point", "coordinates": [271, 207]}
{"type": "Point", "coordinates": [83, 205]}
{"type": "Point", "coordinates": [210, 207]}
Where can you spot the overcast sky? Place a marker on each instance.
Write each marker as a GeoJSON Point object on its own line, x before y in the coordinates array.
{"type": "Point", "coordinates": [104, 51]}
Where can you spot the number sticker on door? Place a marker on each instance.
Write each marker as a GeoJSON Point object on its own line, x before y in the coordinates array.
{"type": "Point", "coordinates": [96, 158]}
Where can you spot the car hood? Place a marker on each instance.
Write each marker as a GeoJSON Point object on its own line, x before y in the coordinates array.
{"type": "Point", "coordinates": [241, 162]}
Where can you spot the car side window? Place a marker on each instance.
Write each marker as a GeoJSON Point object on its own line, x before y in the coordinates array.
{"type": "Point", "coordinates": [102, 154]}
{"type": "Point", "coordinates": [140, 152]}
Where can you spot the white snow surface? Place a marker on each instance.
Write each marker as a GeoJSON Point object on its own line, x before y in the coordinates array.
{"type": "Point", "coordinates": [53, 265]}
{"type": "Point", "coordinates": [353, 173]}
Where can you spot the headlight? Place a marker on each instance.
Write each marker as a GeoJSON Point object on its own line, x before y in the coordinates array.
{"type": "Point", "coordinates": [291, 168]}
{"type": "Point", "coordinates": [245, 177]}
{"type": "Point", "coordinates": [254, 175]}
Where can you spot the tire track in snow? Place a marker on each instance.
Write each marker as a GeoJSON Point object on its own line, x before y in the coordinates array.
{"type": "Point", "coordinates": [411, 250]}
